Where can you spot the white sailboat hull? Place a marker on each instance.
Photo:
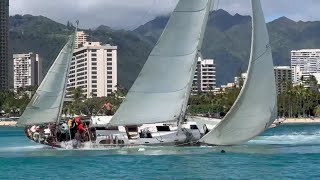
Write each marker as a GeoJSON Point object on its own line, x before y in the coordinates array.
{"type": "Point", "coordinates": [159, 134]}
{"type": "Point", "coordinates": [189, 134]}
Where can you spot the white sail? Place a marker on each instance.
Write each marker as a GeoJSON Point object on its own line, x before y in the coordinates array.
{"type": "Point", "coordinates": [162, 88]}
{"type": "Point", "coordinates": [46, 104]}
{"type": "Point", "coordinates": [256, 107]}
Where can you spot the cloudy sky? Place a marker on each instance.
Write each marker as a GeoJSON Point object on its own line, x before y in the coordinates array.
{"type": "Point", "coordinates": [129, 14]}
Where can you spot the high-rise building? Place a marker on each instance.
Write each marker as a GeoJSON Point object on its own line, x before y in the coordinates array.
{"type": "Point", "coordinates": [81, 38]}
{"type": "Point", "coordinates": [27, 70]}
{"type": "Point", "coordinates": [283, 75]}
{"type": "Point", "coordinates": [205, 76]}
{"type": "Point", "coordinates": [94, 69]}
{"type": "Point", "coordinates": [304, 62]}
{"type": "Point", "coordinates": [4, 23]}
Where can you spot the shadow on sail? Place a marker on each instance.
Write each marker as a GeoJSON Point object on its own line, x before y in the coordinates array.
{"type": "Point", "coordinates": [256, 107]}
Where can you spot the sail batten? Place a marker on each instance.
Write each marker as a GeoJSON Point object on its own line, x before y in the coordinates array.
{"type": "Point", "coordinates": [256, 107]}
{"type": "Point", "coordinates": [162, 87]}
{"type": "Point", "coordinates": [45, 106]}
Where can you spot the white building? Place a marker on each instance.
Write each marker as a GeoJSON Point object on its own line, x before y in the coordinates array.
{"type": "Point", "coordinates": [205, 76]}
{"type": "Point", "coordinates": [283, 75]}
{"type": "Point", "coordinates": [238, 81]}
{"type": "Point", "coordinates": [27, 70]}
{"type": "Point", "coordinates": [81, 38]}
{"type": "Point", "coordinates": [94, 69]}
{"type": "Point", "coordinates": [317, 76]}
{"type": "Point", "coordinates": [304, 62]}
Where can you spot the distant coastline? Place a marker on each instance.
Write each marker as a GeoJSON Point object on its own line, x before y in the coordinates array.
{"type": "Point", "coordinates": [287, 121]}
{"type": "Point", "coordinates": [8, 123]}
{"type": "Point", "coordinates": [301, 120]}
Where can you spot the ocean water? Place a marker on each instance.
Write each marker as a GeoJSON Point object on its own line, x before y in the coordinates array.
{"type": "Point", "coordinates": [287, 152]}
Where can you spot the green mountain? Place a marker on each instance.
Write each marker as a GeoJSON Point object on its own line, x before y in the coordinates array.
{"type": "Point", "coordinates": [41, 35]}
{"type": "Point", "coordinates": [228, 39]}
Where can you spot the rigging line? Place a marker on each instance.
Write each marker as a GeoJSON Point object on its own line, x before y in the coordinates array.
{"type": "Point", "coordinates": [268, 47]}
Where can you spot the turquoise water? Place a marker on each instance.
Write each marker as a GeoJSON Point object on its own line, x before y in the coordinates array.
{"type": "Point", "coordinates": [287, 152]}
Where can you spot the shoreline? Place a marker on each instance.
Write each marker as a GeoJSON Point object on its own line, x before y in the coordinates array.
{"type": "Point", "coordinates": [287, 121]}
{"type": "Point", "coordinates": [301, 121]}
{"type": "Point", "coordinates": [8, 123]}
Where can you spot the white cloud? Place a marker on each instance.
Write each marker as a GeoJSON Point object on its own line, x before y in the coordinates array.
{"type": "Point", "coordinates": [132, 13]}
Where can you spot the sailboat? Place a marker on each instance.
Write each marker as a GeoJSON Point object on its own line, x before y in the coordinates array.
{"type": "Point", "coordinates": [46, 105]}
{"type": "Point", "coordinates": [161, 92]}
{"type": "Point", "coordinates": [158, 99]}
{"type": "Point", "coordinates": [154, 111]}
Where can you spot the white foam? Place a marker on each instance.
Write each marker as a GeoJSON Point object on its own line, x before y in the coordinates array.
{"type": "Point", "coordinates": [294, 139]}
{"type": "Point", "coordinates": [22, 148]}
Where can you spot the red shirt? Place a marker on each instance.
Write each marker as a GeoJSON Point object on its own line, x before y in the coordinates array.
{"type": "Point", "coordinates": [81, 128]}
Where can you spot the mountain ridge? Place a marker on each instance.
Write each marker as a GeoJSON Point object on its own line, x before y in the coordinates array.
{"type": "Point", "coordinates": [227, 40]}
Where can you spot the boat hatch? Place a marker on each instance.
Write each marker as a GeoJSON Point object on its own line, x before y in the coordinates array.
{"type": "Point", "coordinates": [193, 127]}
{"type": "Point", "coordinates": [115, 128]}
{"type": "Point", "coordinates": [132, 132]}
{"type": "Point", "coordinates": [163, 128]}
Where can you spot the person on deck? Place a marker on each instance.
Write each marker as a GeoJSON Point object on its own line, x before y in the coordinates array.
{"type": "Point", "coordinates": [33, 129]}
{"type": "Point", "coordinates": [70, 123]}
{"type": "Point", "coordinates": [64, 130]}
{"type": "Point", "coordinates": [73, 128]}
{"type": "Point", "coordinates": [108, 106]}
{"type": "Point", "coordinates": [80, 127]}
{"type": "Point", "coordinates": [47, 132]}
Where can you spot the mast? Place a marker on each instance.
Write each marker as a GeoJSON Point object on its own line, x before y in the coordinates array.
{"type": "Point", "coordinates": [67, 75]}
{"type": "Point", "coordinates": [194, 67]}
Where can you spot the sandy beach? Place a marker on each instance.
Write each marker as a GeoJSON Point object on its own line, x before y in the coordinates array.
{"type": "Point", "coordinates": [8, 123]}
{"type": "Point", "coordinates": [301, 120]}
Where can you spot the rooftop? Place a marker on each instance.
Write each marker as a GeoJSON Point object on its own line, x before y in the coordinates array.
{"type": "Point", "coordinates": [283, 67]}
{"type": "Point", "coordinates": [305, 50]}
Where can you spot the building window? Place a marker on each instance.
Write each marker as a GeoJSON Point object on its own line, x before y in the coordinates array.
{"type": "Point", "coordinates": [93, 54]}
{"type": "Point", "coordinates": [109, 50]}
{"type": "Point", "coordinates": [94, 77]}
{"type": "Point", "coordinates": [94, 68]}
{"type": "Point", "coordinates": [94, 86]}
{"type": "Point", "coordinates": [94, 72]}
{"type": "Point", "coordinates": [109, 81]}
{"type": "Point", "coordinates": [109, 77]}
{"type": "Point", "coordinates": [94, 64]}
{"type": "Point", "coordinates": [109, 68]}
{"type": "Point", "coordinates": [93, 50]}
{"type": "Point", "coordinates": [109, 59]}
{"type": "Point", "coordinates": [109, 72]}
{"type": "Point", "coordinates": [93, 59]}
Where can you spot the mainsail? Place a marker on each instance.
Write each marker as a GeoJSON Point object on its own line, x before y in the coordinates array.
{"type": "Point", "coordinates": [256, 107]}
{"type": "Point", "coordinates": [161, 91]}
{"type": "Point", "coordinates": [45, 106]}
